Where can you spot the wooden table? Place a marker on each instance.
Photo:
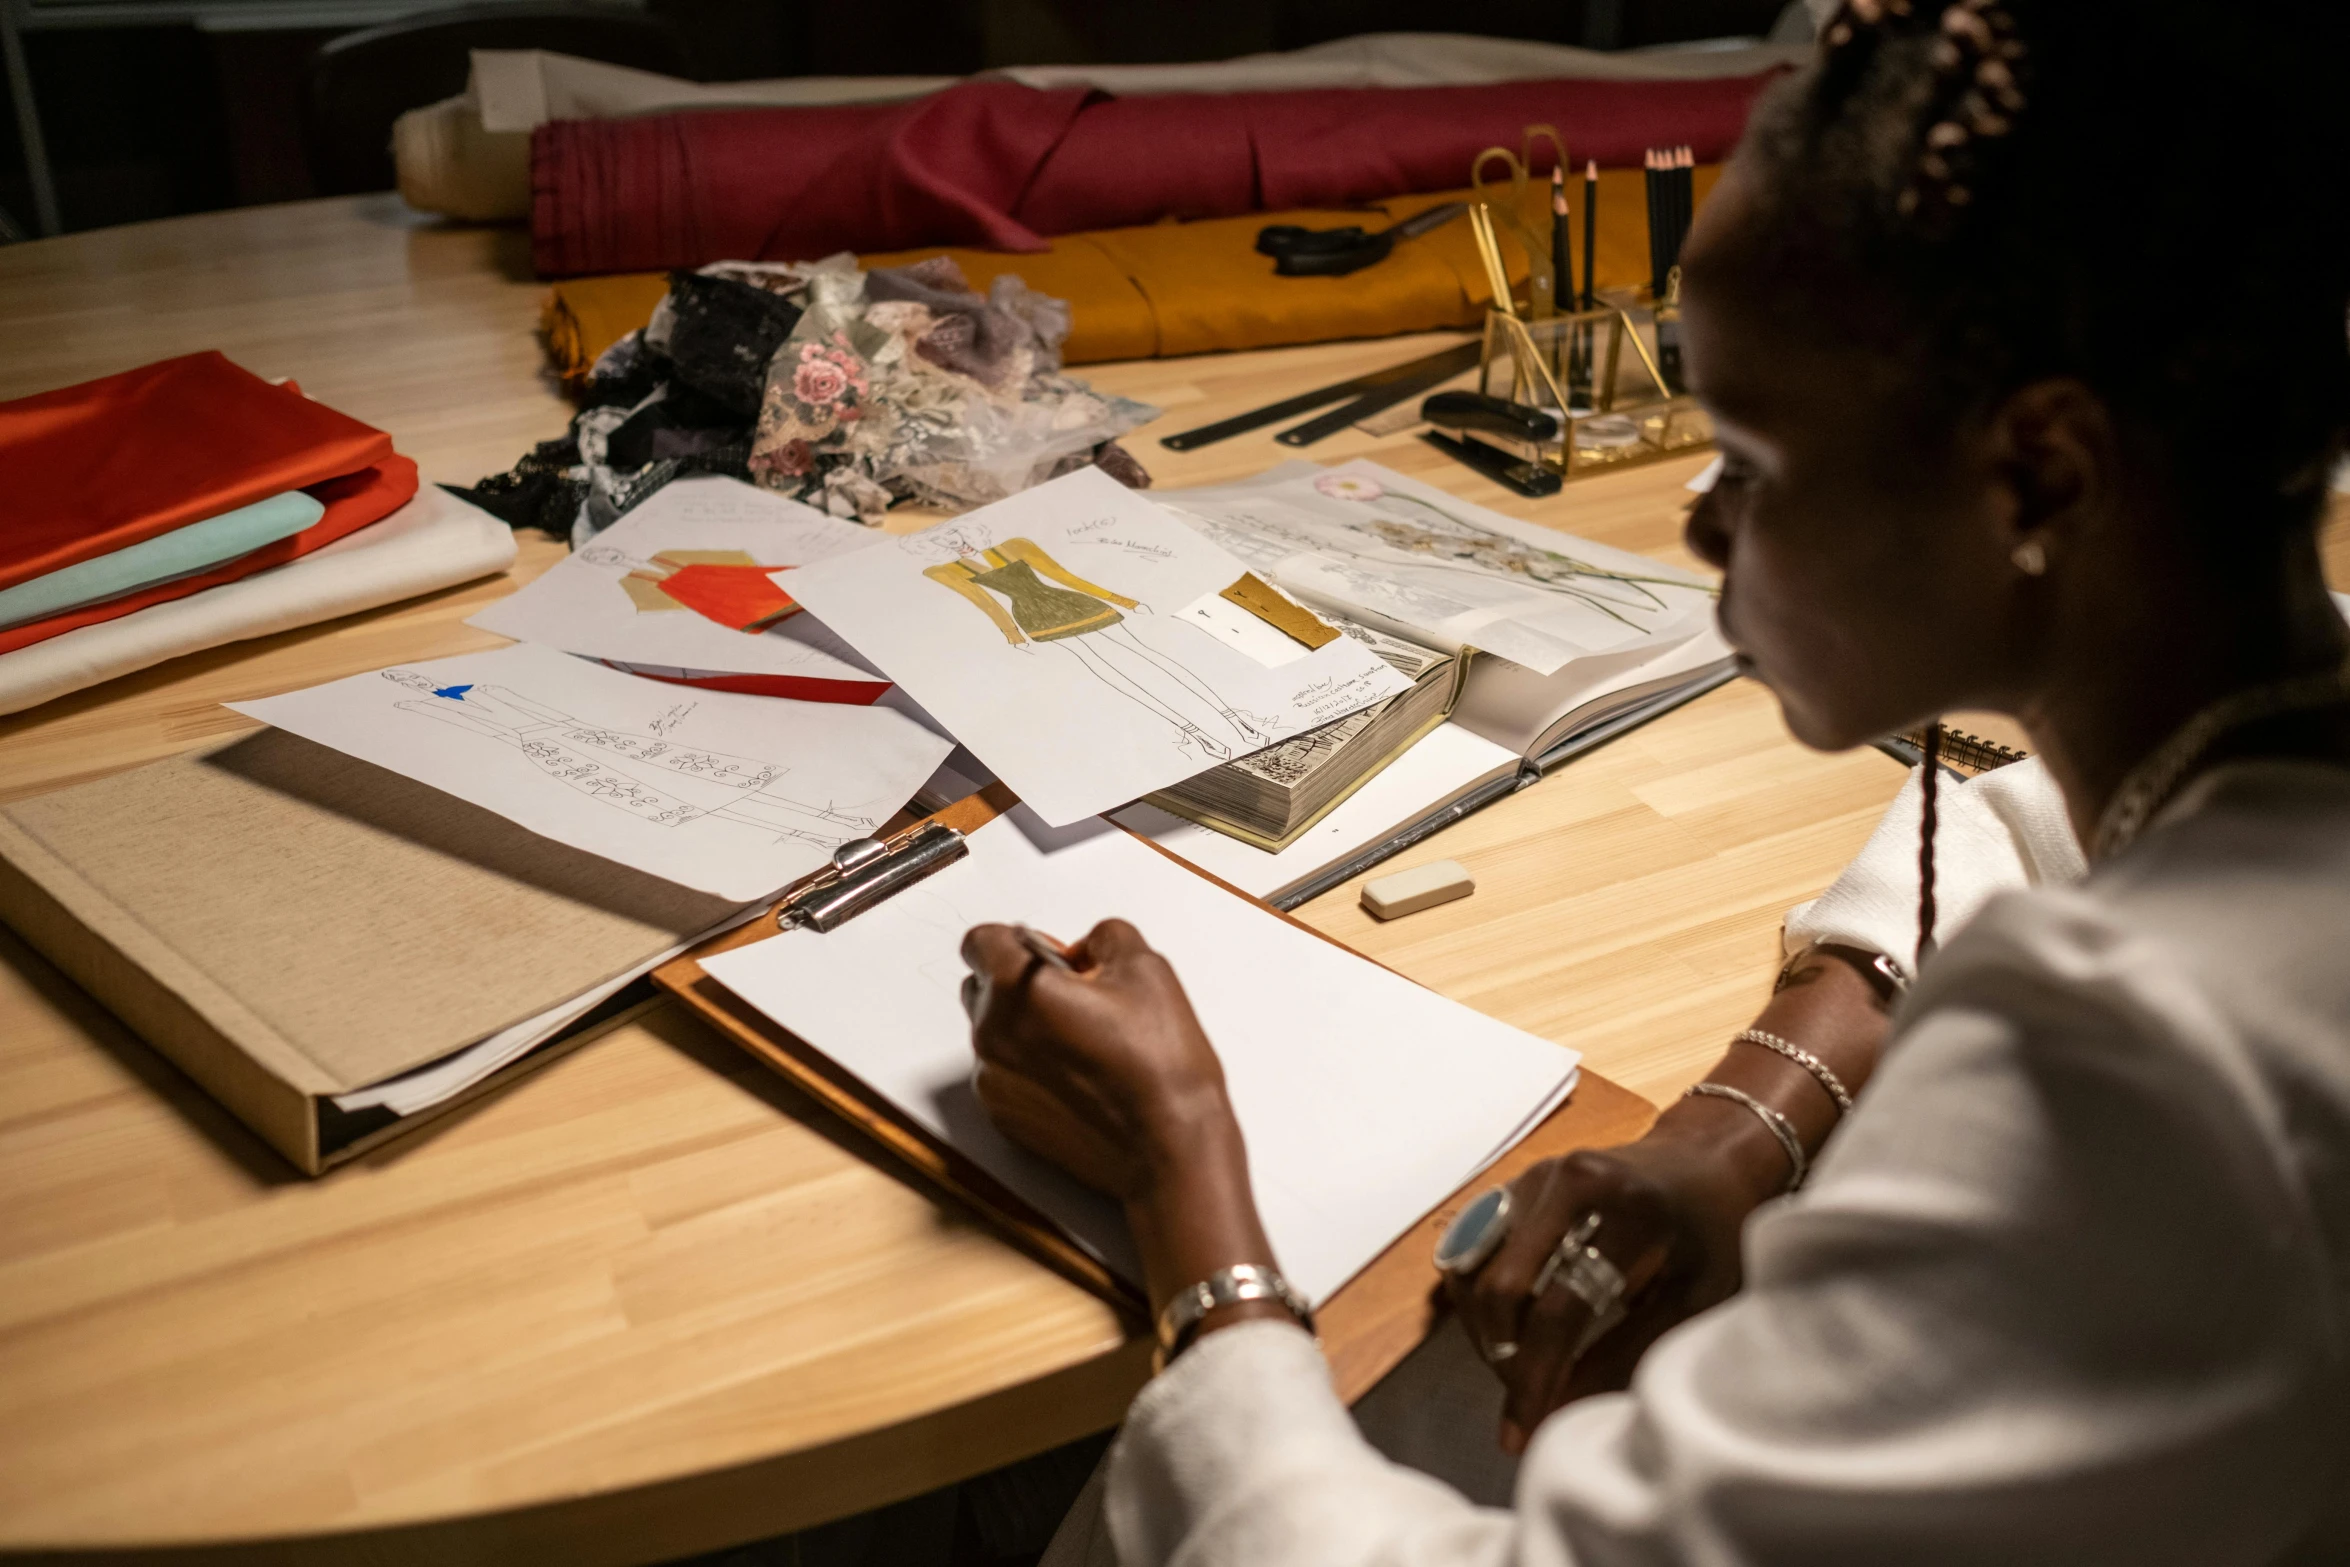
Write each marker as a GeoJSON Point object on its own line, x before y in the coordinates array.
{"type": "Point", "coordinates": [649, 1301]}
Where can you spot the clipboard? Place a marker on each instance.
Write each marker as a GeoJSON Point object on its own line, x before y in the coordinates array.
{"type": "Point", "coordinates": [1367, 1327]}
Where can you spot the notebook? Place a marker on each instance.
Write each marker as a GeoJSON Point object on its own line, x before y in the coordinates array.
{"type": "Point", "coordinates": [291, 925]}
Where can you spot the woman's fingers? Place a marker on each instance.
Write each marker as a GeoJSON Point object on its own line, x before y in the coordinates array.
{"type": "Point", "coordinates": [1494, 1299]}
{"type": "Point", "coordinates": [1553, 1326]}
{"type": "Point", "coordinates": [996, 954]}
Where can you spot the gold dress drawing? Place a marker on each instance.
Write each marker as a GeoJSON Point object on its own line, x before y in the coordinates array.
{"type": "Point", "coordinates": [1033, 599]}
{"type": "Point", "coordinates": [650, 777]}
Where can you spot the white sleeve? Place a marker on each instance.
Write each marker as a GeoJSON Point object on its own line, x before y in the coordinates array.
{"type": "Point", "coordinates": [2003, 830]}
{"type": "Point", "coordinates": [2053, 1297]}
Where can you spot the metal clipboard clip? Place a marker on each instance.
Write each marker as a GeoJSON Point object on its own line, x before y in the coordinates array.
{"type": "Point", "coordinates": [869, 871]}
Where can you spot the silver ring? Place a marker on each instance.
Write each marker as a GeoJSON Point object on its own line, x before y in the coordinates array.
{"type": "Point", "coordinates": [1504, 1349]}
{"type": "Point", "coordinates": [1586, 1272]}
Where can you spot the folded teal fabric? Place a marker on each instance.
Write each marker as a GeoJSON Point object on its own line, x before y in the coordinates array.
{"type": "Point", "coordinates": [197, 547]}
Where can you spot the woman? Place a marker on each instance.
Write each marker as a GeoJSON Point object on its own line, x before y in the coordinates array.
{"type": "Point", "coordinates": [2006, 424]}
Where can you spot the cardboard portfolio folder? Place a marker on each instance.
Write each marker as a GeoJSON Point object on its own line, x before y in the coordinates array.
{"type": "Point", "coordinates": [1366, 1328]}
{"type": "Point", "coordinates": [288, 924]}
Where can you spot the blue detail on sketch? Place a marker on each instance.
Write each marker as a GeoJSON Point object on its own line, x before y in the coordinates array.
{"type": "Point", "coordinates": [453, 693]}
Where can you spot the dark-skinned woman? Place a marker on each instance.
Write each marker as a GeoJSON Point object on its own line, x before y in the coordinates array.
{"type": "Point", "coordinates": [2006, 424]}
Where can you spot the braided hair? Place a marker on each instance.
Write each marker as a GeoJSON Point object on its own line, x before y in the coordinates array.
{"type": "Point", "coordinates": [2144, 195]}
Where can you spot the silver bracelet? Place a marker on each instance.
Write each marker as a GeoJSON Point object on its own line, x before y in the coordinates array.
{"type": "Point", "coordinates": [1802, 1058]}
{"type": "Point", "coordinates": [1180, 1318]}
{"type": "Point", "coordinates": [1780, 1127]}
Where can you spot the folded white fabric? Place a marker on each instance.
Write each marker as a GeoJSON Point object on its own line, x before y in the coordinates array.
{"type": "Point", "coordinates": [2005, 829]}
{"type": "Point", "coordinates": [432, 542]}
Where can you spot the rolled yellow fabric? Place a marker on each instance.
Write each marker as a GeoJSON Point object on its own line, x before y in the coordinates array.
{"type": "Point", "coordinates": [1167, 289]}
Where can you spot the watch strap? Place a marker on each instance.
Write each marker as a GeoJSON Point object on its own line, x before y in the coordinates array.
{"type": "Point", "coordinates": [1180, 1318]}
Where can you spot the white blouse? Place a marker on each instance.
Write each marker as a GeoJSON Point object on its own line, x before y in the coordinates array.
{"type": "Point", "coordinates": [2071, 1285]}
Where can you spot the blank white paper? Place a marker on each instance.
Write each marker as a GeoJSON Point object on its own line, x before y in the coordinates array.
{"type": "Point", "coordinates": [1366, 1100]}
{"type": "Point", "coordinates": [1045, 633]}
{"type": "Point", "coordinates": [582, 604]}
{"type": "Point", "coordinates": [730, 795]}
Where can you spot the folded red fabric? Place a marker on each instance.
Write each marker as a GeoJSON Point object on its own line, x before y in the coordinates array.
{"type": "Point", "coordinates": [997, 166]}
{"type": "Point", "coordinates": [94, 468]}
{"type": "Point", "coordinates": [352, 501]}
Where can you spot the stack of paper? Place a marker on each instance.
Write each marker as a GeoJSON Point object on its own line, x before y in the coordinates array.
{"type": "Point", "coordinates": [1365, 1099]}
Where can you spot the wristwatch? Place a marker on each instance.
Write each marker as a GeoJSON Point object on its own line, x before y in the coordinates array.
{"type": "Point", "coordinates": [1180, 1318]}
{"type": "Point", "coordinates": [1884, 976]}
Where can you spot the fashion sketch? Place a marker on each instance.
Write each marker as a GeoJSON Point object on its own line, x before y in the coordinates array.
{"type": "Point", "coordinates": [726, 587]}
{"type": "Point", "coordinates": [649, 776]}
{"type": "Point", "coordinates": [1365, 545]}
{"type": "Point", "coordinates": [1035, 601]}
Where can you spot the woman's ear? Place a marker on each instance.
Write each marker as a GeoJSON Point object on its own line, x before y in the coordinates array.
{"type": "Point", "coordinates": [2054, 451]}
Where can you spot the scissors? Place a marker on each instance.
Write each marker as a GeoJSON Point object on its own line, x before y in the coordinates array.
{"type": "Point", "coordinates": [1508, 209]}
{"type": "Point", "coordinates": [1304, 252]}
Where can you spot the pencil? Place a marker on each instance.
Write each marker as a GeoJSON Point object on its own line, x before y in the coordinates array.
{"type": "Point", "coordinates": [1684, 199]}
{"type": "Point", "coordinates": [1654, 185]}
{"type": "Point", "coordinates": [1590, 229]}
{"type": "Point", "coordinates": [1044, 948]}
{"type": "Point", "coordinates": [1562, 268]}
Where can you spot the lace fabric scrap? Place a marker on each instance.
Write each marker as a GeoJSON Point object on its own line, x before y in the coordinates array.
{"type": "Point", "coordinates": [844, 389]}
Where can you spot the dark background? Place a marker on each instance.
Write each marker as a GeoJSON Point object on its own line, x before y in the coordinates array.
{"type": "Point", "coordinates": [146, 122]}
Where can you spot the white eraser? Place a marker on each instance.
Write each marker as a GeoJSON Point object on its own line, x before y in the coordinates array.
{"type": "Point", "coordinates": [1421, 887]}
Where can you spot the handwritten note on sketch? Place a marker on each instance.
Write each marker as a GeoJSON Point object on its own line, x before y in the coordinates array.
{"type": "Point", "coordinates": [1049, 634]}
{"type": "Point", "coordinates": [732, 795]}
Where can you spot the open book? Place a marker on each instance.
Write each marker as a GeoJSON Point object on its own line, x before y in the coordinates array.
{"type": "Point", "coordinates": [1613, 640]}
{"type": "Point", "coordinates": [1269, 797]}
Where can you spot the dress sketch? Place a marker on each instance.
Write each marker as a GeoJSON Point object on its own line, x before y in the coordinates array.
{"type": "Point", "coordinates": [1088, 622]}
{"type": "Point", "coordinates": [726, 587]}
{"type": "Point", "coordinates": [1367, 547]}
{"type": "Point", "coordinates": [650, 777]}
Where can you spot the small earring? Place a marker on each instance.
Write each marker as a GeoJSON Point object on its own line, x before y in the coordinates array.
{"type": "Point", "coordinates": [2031, 558]}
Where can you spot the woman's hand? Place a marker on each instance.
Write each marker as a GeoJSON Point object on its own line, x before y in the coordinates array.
{"type": "Point", "coordinates": [1103, 1069]}
{"type": "Point", "coordinates": [1669, 1207]}
{"type": "Point", "coordinates": [1100, 1068]}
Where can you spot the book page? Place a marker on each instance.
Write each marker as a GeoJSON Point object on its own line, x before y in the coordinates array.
{"type": "Point", "coordinates": [1369, 542]}
{"type": "Point", "coordinates": [730, 795]}
{"type": "Point", "coordinates": [1365, 1099]}
{"type": "Point", "coordinates": [1048, 634]}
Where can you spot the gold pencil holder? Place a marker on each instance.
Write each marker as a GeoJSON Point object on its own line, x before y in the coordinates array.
{"type": "Point", "coordinates": [1616, 409]}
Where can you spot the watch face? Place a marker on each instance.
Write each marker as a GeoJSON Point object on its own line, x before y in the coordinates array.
{"type": "Point", "coordinates": [1475, 1234]}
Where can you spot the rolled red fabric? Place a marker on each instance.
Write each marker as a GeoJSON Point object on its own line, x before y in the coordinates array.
{"type": "Point", "coordinates": [352, 501]}
{"type": "Point", "coordinates": [91, 469]}
{"type": "Point", "coordinates": [676, 190]}
{"type": "Point", "coordinates": [1135, 160]}
{"type": "Point", "coordinates": [994, 165]}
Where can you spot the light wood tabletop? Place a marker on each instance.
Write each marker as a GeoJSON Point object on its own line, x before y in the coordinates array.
{"type": "Point", "coordinates": [649, 1301]}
